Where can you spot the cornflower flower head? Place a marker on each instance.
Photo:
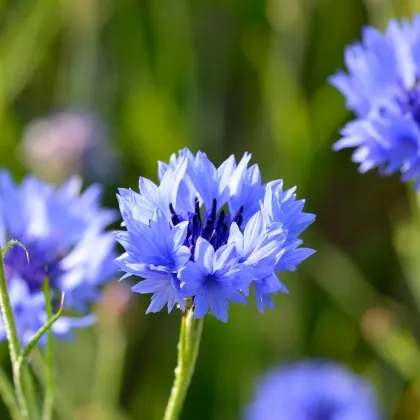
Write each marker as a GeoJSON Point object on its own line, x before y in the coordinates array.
{"type": "Point", "coordinates": [382, 89]}
{"type": "Point", "coordinates": [207, 233]}
{"type": "Point", "coordinates": [63, 233]}
{"type": "Point", "coordinates": [312, 390]}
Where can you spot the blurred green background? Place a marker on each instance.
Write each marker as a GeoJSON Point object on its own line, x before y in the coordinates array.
{"type": "Point", "coordinates": [225, 76]}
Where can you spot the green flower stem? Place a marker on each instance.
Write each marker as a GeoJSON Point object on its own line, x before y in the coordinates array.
{"type": "Point", "coordinates": [30, 393]}
{"type": "Point", "coordinates": [34, 340]}
{"type": "Point", "coordinates": [188, 345]}
{"type": "Point", "coordinates": [47, 410]}
{"type": "Point", "coordinates": [12, 336]}
{"type": "Point", "coordinates": [7, 312]}
{"type": "Point", "coordinates": [19, 367]}
{"type": "Point", "coordinates": [7, 394]}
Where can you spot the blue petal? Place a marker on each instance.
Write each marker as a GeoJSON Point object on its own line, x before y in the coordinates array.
{"type": "Point", "coordinates": [12, 212]}
{"type": "Point", "coordinates": [236, 238]}
{"type": "Point", "coordinates": [218, 304]}
{"type": "Point", "coordinates": [194, 276]}
{"type": "Point", "coordinates": [245, 189]}
{"type": "Point", "coordinates": [201, 306]}
{"type": "Point", "coordinates": [204, 254]}
{"type": "Point", "coordinates": [164, 288]}
{"type": "Point", "coordinates": [293, 257]}
{"type": "Point", "coordinates": [211, 183]}
{"type": "Point", "coordinates": [225, 258]}
{"type": "Point", "coordinates": [252, 233]}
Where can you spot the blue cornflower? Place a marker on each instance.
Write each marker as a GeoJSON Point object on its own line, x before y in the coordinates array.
{"type": "Point", "coordinates": [63, 232]}
{"type": "Point", "coordinates": [208, 233]}
{"type": "Point", "coordinates": [312, 390]}
{"type": "Point", "coordinates": [382, 89]}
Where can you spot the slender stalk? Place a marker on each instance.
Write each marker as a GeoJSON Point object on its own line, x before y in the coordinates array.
{"type": "Point", "coordinates": [47, 409]}
{"type": "Point", "coordinates": [8, 396]}
{"type": "Point", "coordinates": [19, 370]}
{"type": "Point", "coordinates": [12, 336]}
{"type": "Point", "coordinates": [34, 340]}
{"type": "Point", "coordinates": [188, 345]}
{"type": "Point", "coordinates": [7, 312]}
{"type": "Point", "coordinates": [30, 393]}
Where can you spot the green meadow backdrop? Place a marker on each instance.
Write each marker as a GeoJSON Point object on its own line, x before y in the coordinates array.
{"type": "Point", "coordinates": [224, 76]}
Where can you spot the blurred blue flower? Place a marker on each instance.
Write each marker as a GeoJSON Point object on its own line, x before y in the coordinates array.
{"type": "Point", "coordinates": [312, 390]}
{"type": "Point", "coordinates": [63, 232]}
{"type": "Point", "coordinates": [208, 233]}
{"type": "Point", "coordinates": [382, 89]}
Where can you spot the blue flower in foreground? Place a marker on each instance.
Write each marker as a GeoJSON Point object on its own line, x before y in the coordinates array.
{"type": "Point", "coordinates": [63, 232]}
{"type": "Point", "coordinates": [312, 390]}
{"type": "Point", "coordinates": [208, 233]}
{"type": "Point", "coordinates": [382, 89]}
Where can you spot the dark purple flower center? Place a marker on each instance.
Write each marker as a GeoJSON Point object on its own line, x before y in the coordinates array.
{"type": "Point", "coordinates": [410, 103]}
{"type": "Point", "coordinates": [34, 271]}
{"type": "Point", "coordinates": [323, 410]}
{"type": "Point", "coordinates": [213, 226]}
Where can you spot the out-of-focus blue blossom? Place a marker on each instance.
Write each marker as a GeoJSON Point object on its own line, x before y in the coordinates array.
{"type": "Point", "coordinates": [69, 142]}
{"type": "Point", "coordinates": [312, 390]}
{"type": "Point", "coordinates": [208, 233]}
{"type": "Point", "coordinates": [382, 89]}
{"type": "Point", "coordinates": [63, 232]}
